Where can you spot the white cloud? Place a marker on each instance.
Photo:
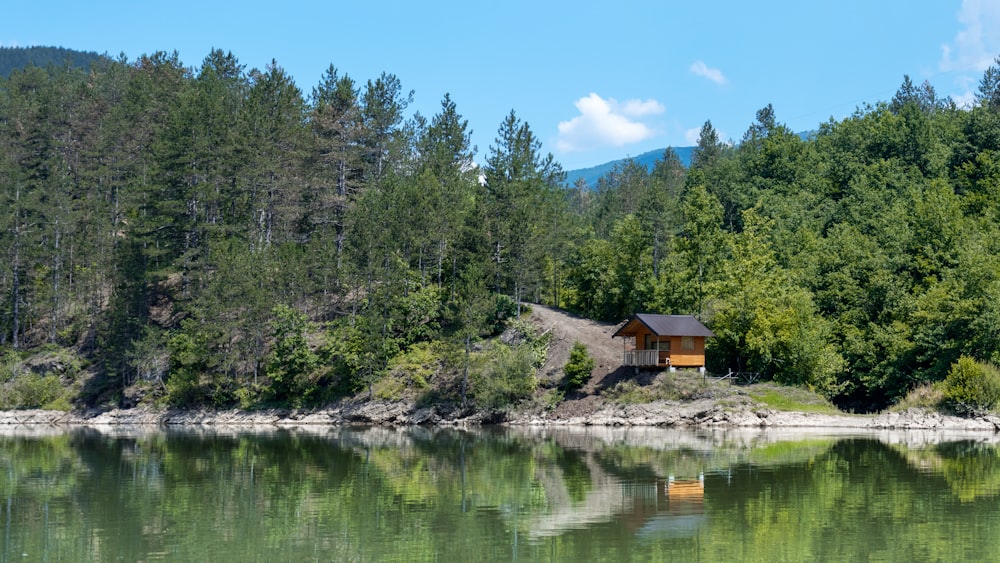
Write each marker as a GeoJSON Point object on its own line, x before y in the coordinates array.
{"type": "Point", "coordinates": [606, 122]}
{"type": "Point", "coordinates": [639, 108]}
{"type": "Point", "coordinates": [691, 136]}
{"type": "Point", "coordinates": [965, 100]}
{"type": "Point", "coordinates": [974, 47]}
{"type": "Point", "coordinates": [978, 40]}
{"type": "Point", "coordinates": [713, 74]}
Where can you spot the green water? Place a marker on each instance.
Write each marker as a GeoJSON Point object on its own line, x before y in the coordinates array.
{"type": "Point", "coordinates": [588, 494]}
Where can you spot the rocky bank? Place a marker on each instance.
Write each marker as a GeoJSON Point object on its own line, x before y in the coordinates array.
{"type": "Point", "coordinates": [699, 413]}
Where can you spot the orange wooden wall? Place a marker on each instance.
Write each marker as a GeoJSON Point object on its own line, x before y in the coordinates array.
{"type": "Point", "coordinates": [678, 357]}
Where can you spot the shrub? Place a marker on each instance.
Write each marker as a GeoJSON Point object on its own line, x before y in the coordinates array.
{"type": "Point", "coordinates": [926, 396]}
{"type": "Point", "coordinates": [629, 392]}
{"type": "Point", "coordinates": [42, 380]}
{"type": "Point", "coordinates": [249, 397]}
{"type": "Point", "coordinates": [579, 367]}
{"type": "Point", "coordinates": [508, 376]}
{"type": "Point", "coordinates": [418, 365]}
{"type": "Point", "coordinates": [522, 334]}
{"type": "Point", "coordinates": [33, 391]}
{"type": "Point", "coordinates": [552, 398]}
{"type": "Point", "coordinates": [389, 388]}
{"type": "Point", "coordinates": [972, 387]}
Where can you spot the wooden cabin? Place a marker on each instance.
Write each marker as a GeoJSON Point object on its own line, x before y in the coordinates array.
{"type": "Point", "coordinates": [665, 341]}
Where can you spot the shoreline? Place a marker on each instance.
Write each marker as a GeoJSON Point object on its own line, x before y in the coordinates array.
{"type": "Point", "coordinates": [667, 414]}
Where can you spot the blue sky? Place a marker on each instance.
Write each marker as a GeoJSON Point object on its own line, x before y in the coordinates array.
{"type": "Point", "coordinates": [596, 81]}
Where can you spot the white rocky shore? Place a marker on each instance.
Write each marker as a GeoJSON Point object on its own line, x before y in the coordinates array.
{"type": "Point", "coordinates": [701, 413]}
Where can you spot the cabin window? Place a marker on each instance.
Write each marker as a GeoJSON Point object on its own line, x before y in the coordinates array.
{"type": "Point", "coordinates": [651, 343]}
{"type": "Point", "coordinates": [687, 343]}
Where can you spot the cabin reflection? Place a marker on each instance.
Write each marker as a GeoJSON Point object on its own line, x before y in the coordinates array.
{"type": "Point", "coordinates": [684, 512]}
{"type": "Point", "coordinates": [652, 507]}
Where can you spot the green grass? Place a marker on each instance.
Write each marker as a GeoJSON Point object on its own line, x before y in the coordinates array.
{"type": "Point", "coordinates": [791, 399]}
{"type": "Point", "coordinates": [685, 385]}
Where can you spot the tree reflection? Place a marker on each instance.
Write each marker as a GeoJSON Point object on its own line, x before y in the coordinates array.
{"type": "Point", "coordinates": [432, 493]}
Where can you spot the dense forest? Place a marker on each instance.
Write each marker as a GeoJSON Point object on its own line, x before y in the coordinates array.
{"type": "Point", "coordinates": [217, 236]}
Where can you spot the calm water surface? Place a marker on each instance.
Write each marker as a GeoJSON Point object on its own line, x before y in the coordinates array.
{"type": "Point", "coordinates": [588, 494]}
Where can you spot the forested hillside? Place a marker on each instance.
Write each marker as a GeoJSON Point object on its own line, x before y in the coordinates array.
{"type": "Point", "coordinates": [14, 58]}
{"type": "Point", "coordinates": [218, 236]}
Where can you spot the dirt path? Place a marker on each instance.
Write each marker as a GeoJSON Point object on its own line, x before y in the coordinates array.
{"type": "Point", "coordinates": [568, 329]}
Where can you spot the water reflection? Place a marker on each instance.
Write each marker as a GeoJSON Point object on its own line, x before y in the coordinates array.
{"type": "Point", "coordinates": [494, 494]}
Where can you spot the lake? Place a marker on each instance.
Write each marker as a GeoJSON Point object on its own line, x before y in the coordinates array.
{"type": "Point", "coordinates": [496, 494]}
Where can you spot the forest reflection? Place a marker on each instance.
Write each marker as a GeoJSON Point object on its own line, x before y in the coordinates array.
{"type": "Point", "coordinates": [500, 493]}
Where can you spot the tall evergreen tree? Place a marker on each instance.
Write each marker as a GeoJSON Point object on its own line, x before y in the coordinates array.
{"type": "Point", "coordinates": [514, 200]}
{"type": "Point", "coordinates": [382, 142]}
{"type": "Point", "coordinates": [988, 94]}
{"type": "Point", "coordinates": [273, 124]}
{"type": "Point", "coordinates": [336, 122]}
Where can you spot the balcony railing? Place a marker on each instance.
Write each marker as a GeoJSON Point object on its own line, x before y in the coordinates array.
{"type": "Point", "coordinates": [641, 358]}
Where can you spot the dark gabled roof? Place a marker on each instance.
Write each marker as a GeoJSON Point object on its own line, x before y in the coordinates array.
{"type": "Point", "coordinates": [665, 325]}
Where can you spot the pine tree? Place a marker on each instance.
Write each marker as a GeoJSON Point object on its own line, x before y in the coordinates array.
{"type": "Point", "coordinates": [516, 196]}
{"type": "Point", "coordinates": [335, 118]}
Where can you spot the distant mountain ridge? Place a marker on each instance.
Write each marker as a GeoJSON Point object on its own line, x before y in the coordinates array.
{"type": "Point", "coordinates": [14, 58]}
{"type": "Point", "coordinates": [647, 159]}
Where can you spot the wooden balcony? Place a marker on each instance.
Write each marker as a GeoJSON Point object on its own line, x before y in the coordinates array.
{"type": "Point", "coordinates": [641, 358]}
